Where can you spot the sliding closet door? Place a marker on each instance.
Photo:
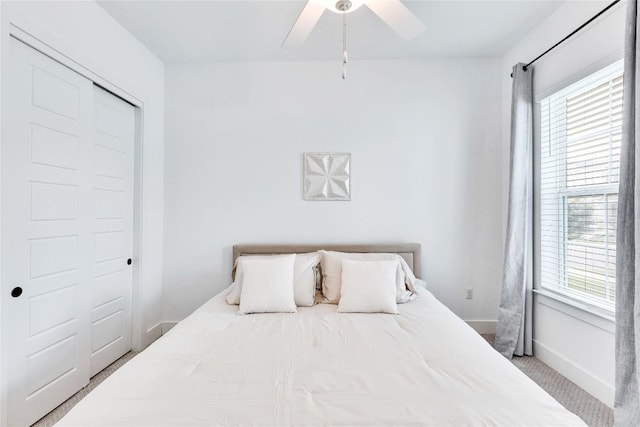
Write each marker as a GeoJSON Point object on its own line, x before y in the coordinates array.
{"type": "Point", "coordinates": [113, 140]}
{"type": "Point", "coordinates": [66, 231]}
{"type": "Point", "coordinates": [46, 240]}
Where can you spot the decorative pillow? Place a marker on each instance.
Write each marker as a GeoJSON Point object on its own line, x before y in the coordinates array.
{"type": "Point", "coordinates": [331, 263]}
{"type": "Point", "coordinates": [368, 287]}
{"type": "Point", "coordinates": [304, 281]}
{"type": "Point", "coordinates": [410, 279]}
{"type": "Point", "coordinates": [267, 285]}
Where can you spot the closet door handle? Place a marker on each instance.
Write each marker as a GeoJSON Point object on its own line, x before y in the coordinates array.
{"type": "Point", "coordinates": [129, 261]}
{"type": "Point", "coordinates": [16, 292]}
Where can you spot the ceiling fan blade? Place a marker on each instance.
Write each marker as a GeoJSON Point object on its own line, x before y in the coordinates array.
{"type": "Point", "coordinates": [305, 23]}
{"type": "Point", "coordinates": [397, 16]}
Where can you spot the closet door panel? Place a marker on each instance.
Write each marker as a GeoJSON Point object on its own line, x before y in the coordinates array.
{"type": "Point", "coordinates": [113, 141]}
{"type": "Point", "coordinates": [46, 244]}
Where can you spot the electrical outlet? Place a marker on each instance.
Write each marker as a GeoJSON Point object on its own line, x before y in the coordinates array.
{"type": "Point", "coordinates": [469, 293]}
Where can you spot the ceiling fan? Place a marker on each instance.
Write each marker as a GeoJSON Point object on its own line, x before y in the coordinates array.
{"type": "Point", "coordinates": [395, 14]}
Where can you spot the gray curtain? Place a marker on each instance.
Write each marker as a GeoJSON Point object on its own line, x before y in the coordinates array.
{"type": "Point", "coordinates": [627, 400]}
{"type": "Point", "coordinates": [513, 332]}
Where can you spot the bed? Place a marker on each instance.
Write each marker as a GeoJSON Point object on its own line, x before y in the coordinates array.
{"type": "Point", "coordinates": [423, 366]}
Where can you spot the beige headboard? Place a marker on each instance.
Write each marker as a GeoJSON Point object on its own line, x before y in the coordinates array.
{"type": "Point", "coordinates": [409, 251]}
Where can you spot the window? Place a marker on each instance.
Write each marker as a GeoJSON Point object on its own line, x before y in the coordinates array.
{"type": "Point", "coordinates": [580, 133]}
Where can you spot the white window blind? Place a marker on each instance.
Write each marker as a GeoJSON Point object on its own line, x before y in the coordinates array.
{"type": "Point", "coordinates": [580, 131]}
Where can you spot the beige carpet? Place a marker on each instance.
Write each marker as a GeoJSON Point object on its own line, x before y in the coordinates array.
{"type": "Point", "coordinates": [572, 397]}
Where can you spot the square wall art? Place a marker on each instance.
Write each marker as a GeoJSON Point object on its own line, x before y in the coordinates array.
{"type": "Point", "coordinates": [327, 176]}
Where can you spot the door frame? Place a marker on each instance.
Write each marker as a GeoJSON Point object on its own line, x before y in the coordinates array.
{"type": "Point", "coordinates": [9, 30]}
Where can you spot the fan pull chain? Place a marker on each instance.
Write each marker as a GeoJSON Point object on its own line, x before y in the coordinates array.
{"type": "Point", "coordinates": [344, 45]}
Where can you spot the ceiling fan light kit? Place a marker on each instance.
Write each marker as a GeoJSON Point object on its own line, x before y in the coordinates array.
{"type": "Point", "coordinates": [342, 6]}
{"type": "Point", "coordinates": [395, 14]}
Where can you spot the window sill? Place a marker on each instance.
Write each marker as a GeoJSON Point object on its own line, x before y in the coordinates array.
{"type": "Point", "coordinates": [597, 316]}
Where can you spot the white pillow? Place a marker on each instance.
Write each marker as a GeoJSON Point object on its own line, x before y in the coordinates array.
{"type": "Point", "coordinates": [368, 287]}
{"type": "Point", "coordinates": [267, 286]}
{"type": "Point", "coordinates": [304, 281]}
{"type": "Point", "coordinates": [331, 263]}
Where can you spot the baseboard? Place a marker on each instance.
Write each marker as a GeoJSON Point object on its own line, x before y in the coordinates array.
{"type": "Point", "coordinates": [585, 380]}
{"type": "Point", "coordinates": [152, 334]}
{"type": "Point", "coordinates": [166, 326]}
{"type": "Point", "coordinates": [483, 326]}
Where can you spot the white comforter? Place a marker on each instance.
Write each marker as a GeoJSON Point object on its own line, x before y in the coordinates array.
{"type": "Point", "coordinates": [318, 367]}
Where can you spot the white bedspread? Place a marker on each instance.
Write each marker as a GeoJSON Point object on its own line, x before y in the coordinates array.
{"type": "Point", "coordinates": [319, 367]}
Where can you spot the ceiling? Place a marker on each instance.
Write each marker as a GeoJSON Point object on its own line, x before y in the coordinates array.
{"type": "Point", "coordinates": [215, 30]}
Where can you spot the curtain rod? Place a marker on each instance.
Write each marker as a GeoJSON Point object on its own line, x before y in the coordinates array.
{"type": "Point", "coordinates": [572, 33]}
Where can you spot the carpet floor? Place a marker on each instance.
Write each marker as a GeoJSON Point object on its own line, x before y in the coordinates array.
{"type": "Point", "coordinates": [593, 412]}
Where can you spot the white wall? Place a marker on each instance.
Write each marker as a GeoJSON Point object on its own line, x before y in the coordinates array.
{"type": "Point", "coordinates": [424, 137]}
{"type": "Point", "coordinates": [3, 411]}
{"type": "Point", "coordinates": [88, 35]}
{"type": "Point", "coordinates": [577, 344]}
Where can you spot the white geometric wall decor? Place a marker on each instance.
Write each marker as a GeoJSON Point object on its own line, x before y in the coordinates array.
{"type": "Point", "coordinates": [327, 176]}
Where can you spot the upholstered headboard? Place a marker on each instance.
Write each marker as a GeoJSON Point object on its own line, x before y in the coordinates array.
{"type": "Point", "coordinates": [409, 251]}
